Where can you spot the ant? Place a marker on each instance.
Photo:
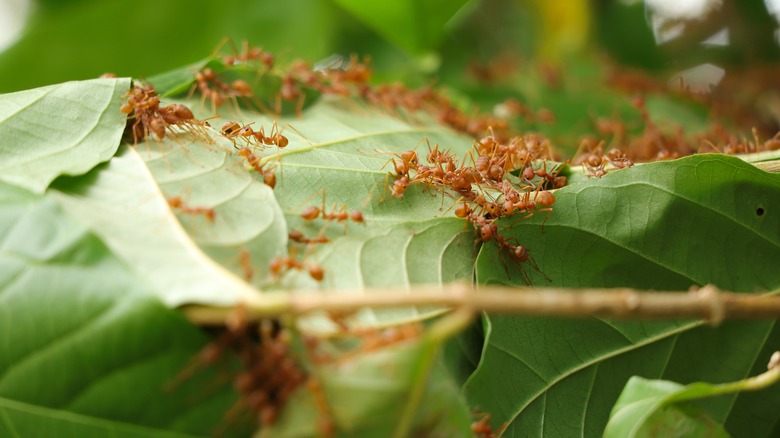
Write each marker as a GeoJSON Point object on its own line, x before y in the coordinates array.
{"type": "Point", "coordinates": [178, 204]}
{"type": "Point", "coordinates": [297, 236]}
{"type": "Point", "coordinates": [248, 54]}
{"type": "Point", "coordinates": [399, 187]}
{"type": "Point", "coordinates": [618, 159]}
{"type": "Point", "coordinates": [232, 130]}
{"type": "Point", "coordinates": [313, 212]}
{"type": "Point", "coordinates": [483, 429]}
{"type": "Point", "coordinates": [548, 178]}
{"type": "Point", "coordinates": [246, 264]}
{"type": "Point", "coordinates": [274, 138]}
{"type": "Point", "coordinates": [285, 263]}
{"type": "Point", "coordinates": [220, 90]}
{"type": "Point", "coordinates": [269, 177]}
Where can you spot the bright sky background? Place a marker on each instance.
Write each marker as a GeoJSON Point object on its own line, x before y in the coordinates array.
{"type": "Point", "coordinates": [13, 14]}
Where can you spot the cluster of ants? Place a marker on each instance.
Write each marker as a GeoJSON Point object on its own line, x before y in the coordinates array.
{"type": "Point", "coordinates": [654, 143]}
{"type": "Point", "coordinates": [350, 80]}
{"type": "Point", "coordinates": [271, 372]}
{"type": "Point", "coordinates": [269, 375]}
{"type": "Point", "coordinates": [488, 189]}
{"type": "Point", "coordinates": [283, 264]}
{"type": "Point", "coordinates": [500, 178]}
{"type": "Point", "coordinates": [280, 265]}
{"type": "Point", "coordinates": [145, 117]}
{"type": "Point", "coordinates": [211, 87]}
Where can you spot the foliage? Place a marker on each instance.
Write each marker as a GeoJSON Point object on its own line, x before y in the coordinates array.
{"type": "Point", "coordinates": [104, 239]}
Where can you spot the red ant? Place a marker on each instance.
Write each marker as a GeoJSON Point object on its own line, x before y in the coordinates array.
{"type": "Point", "coordinates": [313, 212]}
{"type": "Point", "coordinates": [483, 429]}
{"type": "Point", "coordinates": [178, 204]}
{"type": "Point", "coordinates": [280, 264]}
{"type": "Point", "coordinates": [249, 54]}
{"type": "Point", "coordinates": [143, 106]}
{"type": "Point", "coordinates": [399, 187]}
{"type": "Point", "coordinates": [617, 158]}
{"type": "Point", "coordinates": [233, 130]}
{"type": "Point", "coordinates": [297, 236]}
{"type": "Point", "coordinates": [274, 138]}
{"type": "Point", "coordinates": [548, 178]}
{"type": "Point", "coordinates": [246, 264]}
{"type": "Point", "coordinates": [269, 178]}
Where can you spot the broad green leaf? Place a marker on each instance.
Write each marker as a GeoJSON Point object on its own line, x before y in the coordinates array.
{"type": "Point", "coordinates": [647, 408]}
{"type": "Point", "coordinates": [247, 217]}
{"type": "Point", "coordinates": [22, 420]}
{"type": "Point", "coordinates": [341, 152]}
{"type": "Point", "coordinates": [462, 352]}
{"type": "Point", "coordinates": [85, 342]}
{"type": "Point", "coordinates": [667, 225]}
{"type": "Point", "coordinates": [122, 203]}
{"type": "Point", "coordinates": [415, 26]}
{"type": "Point", "coordinates": [652, 407]}
{"type": "Point", "coordinates": [64, 129]}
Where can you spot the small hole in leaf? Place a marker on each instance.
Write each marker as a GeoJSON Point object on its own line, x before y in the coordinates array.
{"type": "Point", "coordinates": [759, 211]}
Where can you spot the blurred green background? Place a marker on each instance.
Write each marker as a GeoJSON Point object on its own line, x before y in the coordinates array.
{"type": "Point", "coordinates": [77, 39]}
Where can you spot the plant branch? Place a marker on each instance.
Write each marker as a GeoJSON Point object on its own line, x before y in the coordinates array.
{"type": "Point", "coordinates": [708, 303]}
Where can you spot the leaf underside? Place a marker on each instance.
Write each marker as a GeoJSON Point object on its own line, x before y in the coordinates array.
{"type": "Point", "coordinates": [63, 129]}
{"type": "Point", "coordinates": [86, 345]}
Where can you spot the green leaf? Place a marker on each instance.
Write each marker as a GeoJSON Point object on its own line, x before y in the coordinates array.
{"type": "Point", "coordinates": [667, 225]}
{"type": "Point", "coordinates": [21, 420]}
{"type": "Point", "coordinates": [415, 26]}
{"type": "Point", "coordinates": [341, 152]}
{"type": "Point", "coordinates": [181, 80]}
{"type": "Point", "coordinates": [247, 217]}
{"type": "Point", "coordinates": [122, 203]}
{"type": "Point", "coordinates": [648, 408]}
{"type": "Point", "coordinates": [64, 129]}
{"type": "Point", "coordinates": [89, 337]}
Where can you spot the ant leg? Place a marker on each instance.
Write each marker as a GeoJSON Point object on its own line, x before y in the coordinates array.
{"type": "Point", "coordinates": [221, 43]}
{"type": "Point", "coordinates": [299, 105]}
{"type": "Point", "coordinates": [278, 105]}
{"type": "Point", "coordinates": [453, 205]}
{"type": "Point", "coordinates": [300, 134]}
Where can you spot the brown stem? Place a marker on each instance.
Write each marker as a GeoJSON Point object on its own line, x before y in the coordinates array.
{"type": "Point", "coordinates": [707, 303]}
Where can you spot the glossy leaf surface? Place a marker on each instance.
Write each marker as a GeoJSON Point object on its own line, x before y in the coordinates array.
{"type": "Point", "coordinates": [666, 226]}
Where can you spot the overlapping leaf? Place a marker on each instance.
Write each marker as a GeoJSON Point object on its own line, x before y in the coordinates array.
{"type": "Point", "coordinates": [86, 346]}
{"type": "Point", "coordinates": [648, 407]}
{"type": "Point", "coordinates": [21, 419]}
{"type": "Point", "coordinates": [338, 154]}
{"type": "Point", "coordinates": [122, 203]}
{"type": "Point", "coordinates": [64, 129]}
{"type": "Point", "coordinates": [669, 225]}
